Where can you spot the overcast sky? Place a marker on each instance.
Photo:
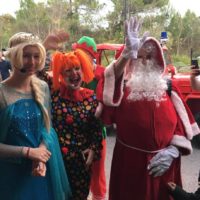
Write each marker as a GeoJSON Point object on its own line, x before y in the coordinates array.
{"type": "Point", "coordinates": [10, 6]}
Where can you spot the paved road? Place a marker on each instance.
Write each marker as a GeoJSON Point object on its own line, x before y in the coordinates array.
{"type": "Point", "coordinates": [190, 165]}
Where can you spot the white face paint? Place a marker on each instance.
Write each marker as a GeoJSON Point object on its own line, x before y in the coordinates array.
{"type": "Point", "coordinates": [73, 77]}
{"type": "Point", "coordinates": [146, 82]}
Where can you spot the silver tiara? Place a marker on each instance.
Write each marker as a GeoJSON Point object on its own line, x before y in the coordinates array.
{"type": "Point", "coordinates": [23, 37]}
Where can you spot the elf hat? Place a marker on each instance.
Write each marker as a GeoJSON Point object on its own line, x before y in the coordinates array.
{"type": "Point", "coordinates": [87, 44]}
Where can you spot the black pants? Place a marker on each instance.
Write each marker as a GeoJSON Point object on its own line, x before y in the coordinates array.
{"type": "Point", "coordinates": [180, 194]}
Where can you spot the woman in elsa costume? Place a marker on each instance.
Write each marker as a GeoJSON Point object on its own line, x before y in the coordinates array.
{"type": "Point", "coordinates": [31, 165]}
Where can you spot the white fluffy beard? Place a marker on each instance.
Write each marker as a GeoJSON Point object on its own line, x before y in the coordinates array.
{"type": "Point", "coordinates": [146, 82]}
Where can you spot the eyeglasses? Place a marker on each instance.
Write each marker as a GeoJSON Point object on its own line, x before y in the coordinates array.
{"type": "Point", "coordinates": [149, 47]}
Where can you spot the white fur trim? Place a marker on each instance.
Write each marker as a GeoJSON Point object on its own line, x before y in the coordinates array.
{"type": "Point", "coordinates": [181, 141]}
{"type": "Point", "coordinates": [109, 86]}
{"type": "Point", "coordinates": [98, 110]}
{"type": "Point", "coordinates": [195, 129]}
{"type": "Point", "coordinates": [181, 110]}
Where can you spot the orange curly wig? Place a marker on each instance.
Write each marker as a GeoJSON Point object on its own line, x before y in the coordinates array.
{"type": "Point", "coordinates": [62, 61]}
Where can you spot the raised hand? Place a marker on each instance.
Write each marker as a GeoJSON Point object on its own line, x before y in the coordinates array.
{"type": "Point", "coordinates": [195, 83]}
{"type": "Point", "coordinates": [132, 40]}
{"type": "Point", "coordinates": [88, 156]}
{"type": "Point", "coordinates": [53, 40]}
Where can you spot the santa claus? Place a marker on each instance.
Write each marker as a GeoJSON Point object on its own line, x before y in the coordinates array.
{"type": "Point", "coordinates": [154, 125]}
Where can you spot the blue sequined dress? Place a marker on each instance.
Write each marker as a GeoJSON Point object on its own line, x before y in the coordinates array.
{"type": "Point", "coordinates": [21, 124]}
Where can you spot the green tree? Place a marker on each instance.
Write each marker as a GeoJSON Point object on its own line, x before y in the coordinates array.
{"type": "Point", "coordinates": [123, 9]}
{"type": "Point", "coordinates": [175, 28]}
{"type": "Point", "coordinates": [6, 23]}
{"type": "Point", "coordinates": [191, 32]}
{"type": "Point", "coordinates": [184, 33]}
{"type": "Point", "coordinates": [32, 17]}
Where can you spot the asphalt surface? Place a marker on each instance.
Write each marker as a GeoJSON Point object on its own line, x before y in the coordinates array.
{"type": "Point", "coordinates": [190, 165]}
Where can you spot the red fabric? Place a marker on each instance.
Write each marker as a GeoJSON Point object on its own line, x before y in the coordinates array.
{"type": "Point", "coordinates": [100, 90]}
{"type": "Point", "coordinates": [99, 72]}
{"type": "Point", "coordinates": [118, 53]}
{"type": "Point", "coordinates": [98, 180]}
{"type": "Point", "coordinates": [190, 115]}
{"type": "Point", "coordinates": [147, 126]}
{"type": "Point", "coordinates": [129, 179]}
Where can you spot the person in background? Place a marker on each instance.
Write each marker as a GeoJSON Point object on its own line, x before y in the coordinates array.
{"type": "Point", "coordinates": [31, 164]}
{"type": "Point", "coordinates": [73, 111]}
{"type": "Point", "coordinates": [5, 67]}
{"type": "Point", "coordinates": [54, 42]}
{"type": "Point", "coordinates": [98, 179]}
{"type": "Point", "coordinates": [154, 126]}
{"type": "Point", "coordinates": [47, 65]}
{"type": "Point", "coordinates": [176, 191]}
{"type": "Point", "coordinates": [194, 78]}
{"type": "Point", "coordinates": [179, 194]}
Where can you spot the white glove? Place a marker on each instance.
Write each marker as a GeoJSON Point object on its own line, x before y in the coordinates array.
{"type": "Point", "coordinates": [132, 41]}
{"type": "Point", "coordinates": [161, 162]}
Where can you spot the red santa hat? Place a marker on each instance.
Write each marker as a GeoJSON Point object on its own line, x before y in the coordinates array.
{"type": "Point", "coordinates": [153, 51]}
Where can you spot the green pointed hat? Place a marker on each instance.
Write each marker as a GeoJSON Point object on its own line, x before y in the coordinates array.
{"type": "Point", "coordinates": [88, 44]}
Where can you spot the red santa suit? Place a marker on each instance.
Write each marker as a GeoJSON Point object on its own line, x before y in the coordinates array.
{"type": "Point", "coordinates": [143, 129]}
